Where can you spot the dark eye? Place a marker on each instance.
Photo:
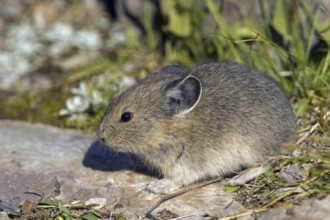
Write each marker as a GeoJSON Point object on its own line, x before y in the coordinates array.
{"type": "Point", "coordinates": [126, 117]}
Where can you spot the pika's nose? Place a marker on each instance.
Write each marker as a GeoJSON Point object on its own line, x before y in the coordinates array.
{"type": "Point", "coordinates": [104, 132]}
{"type": "Point", "coordinates": [100, 134]}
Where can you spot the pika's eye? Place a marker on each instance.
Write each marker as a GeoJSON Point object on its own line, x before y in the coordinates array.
{"type": "Point", "coordinates": [126, 117]}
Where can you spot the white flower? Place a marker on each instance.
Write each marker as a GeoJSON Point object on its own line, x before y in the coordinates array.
{"type": "Point", "coordinates": [96, 98]}
{"type": "Point", "coordinates": [64, 112]}
{"type": "Point", "coordinates": [61, 36]}
{"type": "Point", "coordinates": [12, 66]}
{"type": "Point", "coordinates": [77, 104]}
{"type": "Point", "coordinates": [81, 90]}
{"type": "Point", "coordinates": [126, 82]}
{"type": "Point", "coordinates": [60, 33]}
{"type": "Point", "coordinates": [116, 38]}
{"type": "Point", "coordinates": [88, 40]}
{"type": "Point", "coordinates": [23, 39]}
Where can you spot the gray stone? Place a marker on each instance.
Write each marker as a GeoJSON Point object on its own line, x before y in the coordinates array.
{"type": "Point", "coordinates": [274, 214]}
{"type": "Point", "coordinates": [39, 162]}
{"type": "Point", "coordinates": [291, 173]}
{"type": "Point", "coordinates": [313, 209]}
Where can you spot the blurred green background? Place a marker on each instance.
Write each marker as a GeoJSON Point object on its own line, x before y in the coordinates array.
{"type": "Point", "coordinates": [63, 61]}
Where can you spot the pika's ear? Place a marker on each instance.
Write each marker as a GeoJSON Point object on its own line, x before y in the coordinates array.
{"type": "Point", "coordinates": [183, 95]}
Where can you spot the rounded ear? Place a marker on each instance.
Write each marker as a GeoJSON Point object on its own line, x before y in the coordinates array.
{"type": "Point", "coordinates": [183, 95]}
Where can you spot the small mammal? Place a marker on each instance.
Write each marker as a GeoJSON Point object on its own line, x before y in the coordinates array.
{"type": "Point", "coordinates": [212, 120]}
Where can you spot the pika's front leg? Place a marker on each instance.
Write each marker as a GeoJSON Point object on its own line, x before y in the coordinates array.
{"type": "Point", "coordinates": [162, 186]}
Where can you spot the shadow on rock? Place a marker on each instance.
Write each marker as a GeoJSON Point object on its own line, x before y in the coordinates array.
{"type": "Point", "coordinates": [99, 157]}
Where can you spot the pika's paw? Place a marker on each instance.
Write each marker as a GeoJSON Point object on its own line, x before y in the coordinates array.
{"type": "Point", "coordinates": [162, 186]}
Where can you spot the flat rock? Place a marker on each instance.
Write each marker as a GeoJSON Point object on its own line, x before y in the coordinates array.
{"type": "Point", "coordinates": [39, 161]}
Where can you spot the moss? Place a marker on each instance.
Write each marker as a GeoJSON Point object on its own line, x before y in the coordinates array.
{"type": "Point", "coordinates": [34, 106]}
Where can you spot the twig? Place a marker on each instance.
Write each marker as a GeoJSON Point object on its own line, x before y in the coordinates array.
{"type": "Point", "coordinates": [289, 192]}
{"type": "Point", "coordinates": [228, 204]}
{"type": "Point", "coordinates": [190, 188]}
{"type": "Point", "coordinates": [312, 129]}
{"type": "Point", "coordinates": [249, 212]}
{"type": "Point", "coordinates": [265, 207]}
{"type": "Point", "coordinates": [186, 216]}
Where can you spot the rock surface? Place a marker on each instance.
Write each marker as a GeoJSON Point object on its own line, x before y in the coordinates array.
{"type": "Point", "coordinates": [39, 161]}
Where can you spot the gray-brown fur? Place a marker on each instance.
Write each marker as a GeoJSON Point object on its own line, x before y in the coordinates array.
{"type": "Point", "coordinates": [222, 117]}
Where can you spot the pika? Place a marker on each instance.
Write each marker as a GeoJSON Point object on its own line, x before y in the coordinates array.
{"type": "Point", "coordinates": [212, 120]}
